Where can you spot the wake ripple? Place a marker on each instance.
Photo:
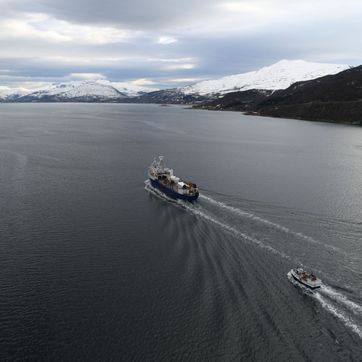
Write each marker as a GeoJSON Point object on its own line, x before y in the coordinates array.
{"type": "Point", "coordinates": [335, 310]}
{"type": "Point", "coordinates": [269, 223]}
{"type": "Point", "coordinates": [340, 298]}
{"type": "Point", "coordinates": [327, 291]}
{"type": "Point", "coordinates": [196, 211]}
{"type": "Point", "coordinates": [339, 314]}
{"type": "Point", "coordinates": [232, 230]}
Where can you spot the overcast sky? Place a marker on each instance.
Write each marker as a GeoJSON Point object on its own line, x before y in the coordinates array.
{"type": "Point", "coordinates": [167, 43]}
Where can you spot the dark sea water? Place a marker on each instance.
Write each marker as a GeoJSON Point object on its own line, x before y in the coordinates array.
{"type": "Point", "coordinates": [95, 267]}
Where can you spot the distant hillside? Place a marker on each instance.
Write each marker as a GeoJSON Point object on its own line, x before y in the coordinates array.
{"type": "Point", "coordinates": [170, 96]}
{"type": "Point", "coordinates": [252, 86]}
{"type": "Point", "coordinates": [245, 101]}
{"type": "Point", "coordinates": [276, 76]}
{"type": "Point", "coordinates": [334, 98]}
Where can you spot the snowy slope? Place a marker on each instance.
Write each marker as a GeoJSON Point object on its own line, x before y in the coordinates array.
{"type": "Point", "coordinates": [130, 89]}
{"type": "Point", "coordinates": [78, 90]}
{"type": "Point", "coordinates": [277, 76]}
{"type": "Point", "coordinates": [88, 90]}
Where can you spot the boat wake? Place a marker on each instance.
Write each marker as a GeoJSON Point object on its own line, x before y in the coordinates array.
{"type": "Point", "coordinates": [337, 304]}
{"type": "Point", "coordinates": [269, 223]}
{"type": "Point", "coordinates": [198, 211]}
{"type": "Point", "coordinates": [231, 229]}
{"type": "Point", "coordinates": [338, 313]}
{"type": "Point", "coordinates": [340, 298]}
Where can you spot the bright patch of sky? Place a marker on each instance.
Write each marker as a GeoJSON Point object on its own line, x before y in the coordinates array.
{"type": "Point", "coordinates": [165, 40]}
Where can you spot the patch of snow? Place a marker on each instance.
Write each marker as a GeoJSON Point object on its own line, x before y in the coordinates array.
{"type": "Point", "coordinates": [77, 89]}
{"type": "Point", "coordinates": [97, 89]}
{"type": "Point", "coordinates": [277, 76]}
{"type": "Point", "coordinates": [132, 90]}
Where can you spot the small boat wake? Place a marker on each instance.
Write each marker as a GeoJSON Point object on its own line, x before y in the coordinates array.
{"type": "Point", "coordinates": [339, 313]}
{"type": "Point", "coordinates": [334, 302]}
{"type": "Point", "coordinates": [342, 299]}
{"type": "Point", "coordinates": [347, 311]}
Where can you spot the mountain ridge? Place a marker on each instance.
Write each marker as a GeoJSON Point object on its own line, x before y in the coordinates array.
{"type": "Point", "coordinates": [277, 76]}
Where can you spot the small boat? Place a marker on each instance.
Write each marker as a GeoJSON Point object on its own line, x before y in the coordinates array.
{"type": "Point", "coordinates": [307, 279]}
{"type": "Point", "coordinates": [163, 179]}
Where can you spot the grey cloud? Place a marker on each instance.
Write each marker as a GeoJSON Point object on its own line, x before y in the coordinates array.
{"type": "Point", "coordinates": [136, 14]}
{"type": "Point", "coordinates": [215, 53]}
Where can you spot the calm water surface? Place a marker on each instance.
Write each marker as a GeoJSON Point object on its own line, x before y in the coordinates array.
{"type": "Point", "coordinates": [95, 267]}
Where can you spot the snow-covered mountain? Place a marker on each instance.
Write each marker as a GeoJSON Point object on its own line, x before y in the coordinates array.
{"type": "Point", "coordinates": [83, 91]}
{"type": "Point", "coordinates": [76, 91]}
{"type": "Point", "coordinates": [277, 76]}
{"type": "Point", "coordinates": [9, 93]}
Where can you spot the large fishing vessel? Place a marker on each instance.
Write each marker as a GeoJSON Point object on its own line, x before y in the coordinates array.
{"type": "Point", "coordinates": [163, 179]}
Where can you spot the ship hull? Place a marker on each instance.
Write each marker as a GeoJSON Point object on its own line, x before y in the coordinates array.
{"type": "Point", "coordinates": [172, 194]}
{"type": "Point", "coordinates": [305, 284]}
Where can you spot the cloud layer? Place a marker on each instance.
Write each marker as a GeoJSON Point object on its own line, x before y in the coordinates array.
{"type": "Point", "coordinates": [169, 43]}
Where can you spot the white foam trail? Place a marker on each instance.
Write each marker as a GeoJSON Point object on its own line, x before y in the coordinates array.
{"type": "Point", "coordinates": [337, 313]}
{"type": "Point", "coordinates": [338, 297]}
{"type": "Point", "coordinates": [329, 307]}
{"type": "Point", "coordinates": [267, 222]}
{"type": "Point", "coordinates": [233, 230]}
{"type": "Point", "coordinates": [329, 291]}
{"type": "Point", "coordinates": [224, 226]}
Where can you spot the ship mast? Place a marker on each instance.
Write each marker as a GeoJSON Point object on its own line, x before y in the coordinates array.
{"type": "Point", "coordinates": [161, 164]}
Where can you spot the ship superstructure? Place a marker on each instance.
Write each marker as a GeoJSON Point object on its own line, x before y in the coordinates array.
{"type": "Point", "coordinates": [163, 179]}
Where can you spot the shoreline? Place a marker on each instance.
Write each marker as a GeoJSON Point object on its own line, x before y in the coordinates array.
{"type": "Point", "coordinates": [251, 113]}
